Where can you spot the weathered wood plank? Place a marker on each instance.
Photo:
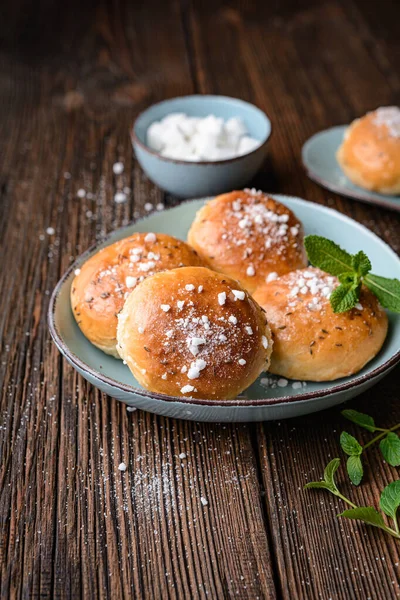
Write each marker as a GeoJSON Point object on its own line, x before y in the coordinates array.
{"type": "Point", "coordinates": [72, 524]}
{"type": "Point", "coordinates": [309, 71]}
{"type": "Point", "coordinates": [319, 555]}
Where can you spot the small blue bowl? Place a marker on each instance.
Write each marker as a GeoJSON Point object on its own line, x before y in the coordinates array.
{"type": "Point", "coordinates": [188, 179]}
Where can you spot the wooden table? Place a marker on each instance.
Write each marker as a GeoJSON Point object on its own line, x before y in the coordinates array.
{"type": "Point", "coordinates": [72, 78]}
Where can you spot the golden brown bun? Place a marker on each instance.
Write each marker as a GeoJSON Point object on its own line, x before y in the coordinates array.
{"type": "Point", "coordinates": [311, 342]}
{"type": "Point", "coordinates": [370, 152]}
{"type": "Point", "coordinates": [175, 331]}
{"type": "Point", "coordinates": [247, 235]}
{"type": "Point", "coordinates": [99, 291]}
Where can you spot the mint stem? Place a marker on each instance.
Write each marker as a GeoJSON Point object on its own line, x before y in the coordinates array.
{"type": "Point", "coordinates": [396, 525]}
{"type": "Point", "coordinates": [349, 502]}
{"type": "Point", "coordinates": [380, 436]}
{"type": "Point", "coordinates": [392, 532]}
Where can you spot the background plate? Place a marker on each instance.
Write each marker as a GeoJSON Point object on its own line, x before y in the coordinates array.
{"type": "Point", "coordinates": [258, 402]}
{"type": "Point", "coordinates": [319, 160]}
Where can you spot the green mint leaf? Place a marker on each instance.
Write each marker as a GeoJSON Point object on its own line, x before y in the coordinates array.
{"type": "Point", "coordinates": [360, 419]}
{"type": "Point", "coordinates": [349, 279]}
{"type": "Point", "coordinates": [329, 472]}
{"type": "Point", "coordinates": [361, 263]}
{"type": "Point", "coordinates": [390, 448]}
{"type": "Point", "coordinates": [386, 290]}
{"type": "Point", "coordinates": [355, 469]}
{"type": "Point", "coordinates": [328, 482]}
{"type": "Point", "coordinates": [367, 514]}
{"type": "Point", "coordinates": [343, 298]}
{"type": "Point", "coordinates": [350, 445]}
{"type": "Point", "coordinates": [390, 499]}
{"type": "Point", "coordinates": [318, 485]}
{"type": "Point", "coordinates": [327, 255]}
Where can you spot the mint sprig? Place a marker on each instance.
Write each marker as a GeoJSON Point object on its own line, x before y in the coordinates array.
{"type": "Point", "coordinates": [389, 444]}
{"type": "Point", "coordinates": [390, 448]}
{"type": "Point", "coordinates": [389, 502]}
{"type": "Point", "coordinates": [329, 483]}
{"type": "Point", "coordinates": [353, 449]}
{"type": "Point", "coordinates": [360, 419]}
{"type": "Point", "coordinates": [390, 496]}
{"type": "Point", "coordinates": [327, 255]}
{"type": "Point", "coordinates": [361, 263]}
{"type": "Point", "coordinates": [386, 290]}
{"type": "Point", "coordinates": [352, 270]}
{"type": "Point", "coordinates": [345, 297]}
{"type": "Point", "coordinates": [370, 516]}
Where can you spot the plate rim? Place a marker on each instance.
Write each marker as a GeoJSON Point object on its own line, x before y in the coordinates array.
{"type": "Point", "coordinates": [238, 402]}
{"type": "Point", "coordinates": [392, 203]}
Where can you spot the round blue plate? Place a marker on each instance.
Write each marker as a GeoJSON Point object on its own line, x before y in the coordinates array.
{"type": "Point", "coordinates": [260, 401]}
{"type": "Point", "coordinates": [319, 160]}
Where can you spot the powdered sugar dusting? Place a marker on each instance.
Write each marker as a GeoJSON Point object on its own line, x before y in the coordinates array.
{"type": "Point", "coordinates": [206, 341]}
{"type": "Point", "coordinates": [137, 263]}
{"type": "Point", "coordinates": [390, 117]}
{"type": "Point", "coordinates": [309, 287]}
{"type": "Point", "coordinates": [150, 237]}
{"type": "Point", "coordinates": [258, 226]}
{"type": "Point", "coordinates": [186, 389]}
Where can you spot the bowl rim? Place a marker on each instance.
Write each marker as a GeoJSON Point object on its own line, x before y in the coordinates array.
{"type": "Point", "coordinates": [391, 202]}
{"type": "Point", "coordinates": [237, 402]}
{"type": "Point", "coordinates": [137, 141]}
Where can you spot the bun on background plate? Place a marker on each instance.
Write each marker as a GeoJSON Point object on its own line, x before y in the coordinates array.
{"type": "Point", "coordinates": [370, 152]}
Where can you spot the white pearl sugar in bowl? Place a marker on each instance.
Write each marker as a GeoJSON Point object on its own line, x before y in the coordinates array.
{"type": "Point", "coordinates": [181, 137]}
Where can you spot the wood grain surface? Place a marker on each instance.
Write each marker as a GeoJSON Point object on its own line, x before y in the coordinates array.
{"type": "Point", "coordinates": [73, 76]}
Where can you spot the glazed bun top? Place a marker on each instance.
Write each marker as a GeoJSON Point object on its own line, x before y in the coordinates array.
{"type": "Point", "coordinates": [195, 333]}
{"type": "Point", "coordinates": [103, 283]}
{"type": "Point", "coordinates": [247, 235]}
{"type": "Point", "coordinates": [370, 153]}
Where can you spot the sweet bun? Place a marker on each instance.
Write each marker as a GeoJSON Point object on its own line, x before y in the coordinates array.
{"type": "Point", "coordinates": [247, 235]}
{"type": "Point", "coordinates": [370, 152]}
{"type": "Point", "coordinates": [195, 333]}
{"type": "Point", "coordinates": [311, 342]}
{"type": "Point", "coordinates": [100, 288]}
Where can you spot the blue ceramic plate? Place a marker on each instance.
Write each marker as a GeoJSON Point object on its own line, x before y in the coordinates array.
{"type": "Point", "coordinates": [319, 160]}
{"type": "Point", "coordinates": [259, 402]}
